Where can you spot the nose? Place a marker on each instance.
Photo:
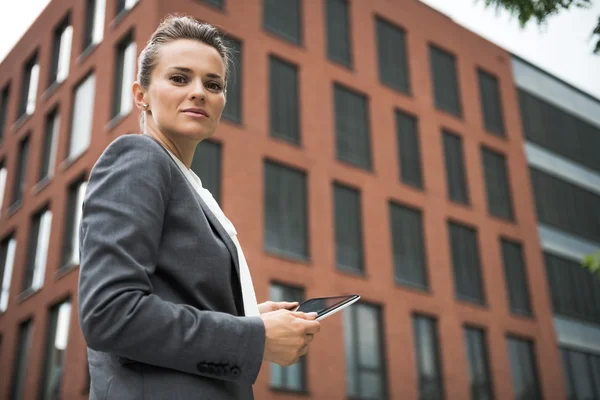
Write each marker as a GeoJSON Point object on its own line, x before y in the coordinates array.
{"type": "Point", "coordinates": [197, 90]}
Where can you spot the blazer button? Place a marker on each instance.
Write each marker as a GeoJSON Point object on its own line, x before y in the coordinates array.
{"type": "Point", "coordinates": [235, 371]}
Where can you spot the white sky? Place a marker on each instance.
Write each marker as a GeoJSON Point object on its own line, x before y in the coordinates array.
{"type": "Point", "coordinates": [563, 47]}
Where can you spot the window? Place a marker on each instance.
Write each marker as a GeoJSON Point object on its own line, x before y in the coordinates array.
{"type": "Point", "coordinates": [465, 263]}
{"type": "Point", "coordinates": [21, 357]}
{"type": "Point", "coordinates": [125, 5]}
{"type": "Point", "coordinates": [3, 177]}
{"type": "Point", "coordinates": [407, 244]}
{"type": "Point", "coordinates": [31, 77]}
{"type": "Point", "coordinates": [491, 103]}
{"type": "Point", "coordinates": [76, 193]}
{"type": "Point", "coordinates": [499, 199]}
{"type": "Point", "coordinates": [50, 144]}
{"type": "Point", "coordinates": [523, 369]}
{"type": "Point", "coordinates": [456, 179]}
{"type": "Point", "coordinates": [37, 253]}
{"type": "Point", "coordinates": [445, 81]}
{"type": "Point", "coordinates": [82, 117]}
{"type": "Point", "coordinates": [409, 150]}
{"type": "Point", "coordinates": [291, 378]}
{"type": "Point", "coordinates": [285, 119]}
{"type": "Point", "coordinates": [516, 278]}
{"type": "Point", "coordinates": [352, 127]}
{"type": "Point", "coordinates": [207, 165]}
{"type": "Point", "coordinates": [337, 17]}
{"type": "Point", "coordinates": [479, 370]}
{"type": "Point", "coordinates": [427, 351]}
{"type": "Point", "coordinates": [365, 352]}
{"type": "Point", "coordinates": [348, 228]}
{"type": "Point", "coordinates": [582, 374]}
{"type": "Point", "coordinates": [233, 108]}
{"type": "Point", "coordinates": [56, 346]}
{"type": "Point", "coordinates": [566, 206]}
{"type": "Point", "coordinates": [20, 182]}
{"type": "Point", "coordinates": [8, 248]}
{"type": "Point", "coordinates": [574, 290]}
{"type": "Point", "coordinates": [124, 76]}
{"type": "Point", "coordinates": [559, 131]}
{"type": "Point", "coordinates": [282, 17]}
{"type": "Point", "coordinates": [391, 53]}
{"type": "Point", "coordinates": [4, 98]}
{"type": "Point", "coordinates": [94, 22]}
{"type": "Point", "coordinates": [220, 4]}
{"type": "Point", "coordinates": [61, 52]}
{"type": "Point", "coordinates": [286, 225]}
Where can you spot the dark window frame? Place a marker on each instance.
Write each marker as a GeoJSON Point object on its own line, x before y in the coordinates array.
{"type": "Point", "coordinates": [26, 84]}
{"type": "Point", "coordinates": [403, 85]}
{"type": "Point", "coordinates": [473, 273]}
{"type": "Point", "coordinates": [496, 128]}
{"type": "Point", "coordinates": [293, 135]}
{"type": "Point", "coordinates": [20, 179]}
{"type": "Point", "coordinates": [433, 323]}
{"type": "Point", "coordinates": [497, 206]}
{"type": "Point", "coordinates": [299, 41]}
{"type": "Point", "coordinates": [119, 53]}
{"type": "Point", "coordinates": [516, 277]}
{"type": "Point", "coordinates": [531, 350]}
{"type": "Point", "coordinates": [440, 95]}
{"type": "Point", "coordinates": [343, 33]}
{"type": "Point", "coordinates": [457, 182]}
{"type": "Point", "coordinates": [4, 105]}
{"type": "Point", "coordinates": [21, 358]}
{"type": "Point", "coordinates": [218, 4]}
{"type": "Point", "coordinates": [50, 143]}
{"type": "Point", "coordinates": [234, 82]}
{"type": "Point", "coordinates": [69, 220]}
{"type": "Point", "coordinates": [215, 188]}
{"type": "Point", "coordinates": [361, 268]}
{"type": "Point", "coordinates": [56, 45]}
{"type": "Point", "coordinates": [33, 238]}
{"type": "Point", "coordinates": [408, 145]}
{"type": "Point", "coordinates": [485, 388]}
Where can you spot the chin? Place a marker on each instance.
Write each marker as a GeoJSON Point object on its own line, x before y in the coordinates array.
{"type": "Point", "coordinates": [193, 132]}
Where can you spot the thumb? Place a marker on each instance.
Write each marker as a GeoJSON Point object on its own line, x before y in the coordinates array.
{"type": "Point", "coordinates": [308, 316]}
{"type": "Point", "coordinates": [284, 305]}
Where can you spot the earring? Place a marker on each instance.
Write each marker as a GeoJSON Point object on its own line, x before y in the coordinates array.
{"type": "Point", "coordinates": [145, 106]}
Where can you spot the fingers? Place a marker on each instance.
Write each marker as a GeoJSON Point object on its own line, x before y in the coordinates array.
{"type": "Point", "coordinates": [285, 305]}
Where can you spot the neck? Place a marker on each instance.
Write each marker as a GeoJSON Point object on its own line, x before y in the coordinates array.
{"type": "Point", "coordinates": [183, 149]}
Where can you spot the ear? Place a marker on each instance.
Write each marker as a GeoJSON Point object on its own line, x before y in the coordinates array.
{"type": "Point", "coordinates": [139, 96]}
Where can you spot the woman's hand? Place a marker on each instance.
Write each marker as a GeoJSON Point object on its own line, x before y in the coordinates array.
{"type": "Point", "coordinates": [269, 306]}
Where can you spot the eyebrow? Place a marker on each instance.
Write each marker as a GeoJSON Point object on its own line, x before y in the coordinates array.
{"type": "Point", "coordinates": [189, 70]}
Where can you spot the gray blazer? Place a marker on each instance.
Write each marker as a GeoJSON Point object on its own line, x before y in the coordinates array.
{"type": "Point", "coordinates": [160, 302]}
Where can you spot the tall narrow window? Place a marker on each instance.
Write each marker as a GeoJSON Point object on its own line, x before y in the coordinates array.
{"type": "Point", "coordinates": [233, 107]}
{"type": "Point", "coordinates": [465, 263]}
{"type": "Point", "coordinates": [20, 366]}
{"type": "Point", "coordinates": [283, 18]}
{"type": "Point", "coordinates": [3, 177]}
{"type": "Point", "coordinates": [82, 116]}
{"type": "Point", "coordinates": [73, 219]}
{"type": "Point", "coordinates": [293, 377]}
{"type": "Point", "coordinates": [286, 225]}
{"type": "Point", "coordinates": [29, 86]}
{"type": "Point", "coordinates": [348, 229]}
{"type": "Point", "coordinates": [497, 187]}
{"type": "Point", "coordinates": [365, 350]}
{"type": "Point", "coordinates": [50, 144]}
{"type": "Point", "coordinates": [479, 370]}
{"type": "Point", "coordinates": [285, 118]}
{"type": "Point", "coordinates": [445, 81]}
{"type": "Point", "coordinates": [352, 127]}
{"type": "Point", "coordinates": [94, 22]}
{"type": "Point", "coordinates": [20, 182]}
{"type": "Point", "coordinates": [427, 358]}
{"type": "Point", "coordinates": [523, 369]}
{"type": "Point", "coordinates": [125, 5]}
{"type": "Point", "coordinates": [124, 76]}
{"type": "Point", "coordinates": [391, 53]}
{"type": "Point", "coordinates": [338, 32]}
{"type": "Point", "coordinates": [61, 52]}
{"type": "Point", "coordinates": [491, 103]}
{"type": "Point", "coordinates": [582, 374]}
{"type": "Point", "coordinates": [456, 180]}
{"type": "Point", "coordinates": [220, 4]}
{"type": "Point", "coordinates": [407, 244]}
{"type": "Point", "coordinates": [516, 278]}
{"type": "Point", "coordinates": [56, 346]}
{"type": "Point", "coordinates": [207, 165]}
{"type": "Point", "coordinates": [37, 254]}
{"type": "Point", "coordinates": [4, 98]}
{"type": "Point", "coordinates": [8, 247]}
{"type": "Point", "coordinates": [409, 150]}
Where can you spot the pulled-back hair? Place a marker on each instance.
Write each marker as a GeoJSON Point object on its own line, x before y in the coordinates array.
{"type": "Point", "coordinates": [174, 27]}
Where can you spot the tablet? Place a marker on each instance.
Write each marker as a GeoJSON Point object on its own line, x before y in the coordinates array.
{"type": "Point", "coordinates": [326, 306]}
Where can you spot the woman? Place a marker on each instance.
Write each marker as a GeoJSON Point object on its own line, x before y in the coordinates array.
{"type": "Point", "coordinates": [166, 302]}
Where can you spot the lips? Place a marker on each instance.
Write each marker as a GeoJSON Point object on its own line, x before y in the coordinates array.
{"type": "Point", "coordinates": [195, 112]}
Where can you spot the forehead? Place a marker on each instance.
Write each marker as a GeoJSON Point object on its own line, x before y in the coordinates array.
{"type": "Point", "coordinates": [192, 54]}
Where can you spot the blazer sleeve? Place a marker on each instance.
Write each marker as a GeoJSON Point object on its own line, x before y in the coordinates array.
{"type": "Point", "coordinates": [121, 227]}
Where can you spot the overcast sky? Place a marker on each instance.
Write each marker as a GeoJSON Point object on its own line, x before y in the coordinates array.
{"type": "Point", "coordinates": [563, 47]}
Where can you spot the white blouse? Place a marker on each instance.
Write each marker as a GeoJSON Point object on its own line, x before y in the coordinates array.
{"type": "Point", "coordinates": [249, 296]}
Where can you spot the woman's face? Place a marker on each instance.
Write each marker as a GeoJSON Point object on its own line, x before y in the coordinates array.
{"type": "Point", "coordinates": [186, 93]}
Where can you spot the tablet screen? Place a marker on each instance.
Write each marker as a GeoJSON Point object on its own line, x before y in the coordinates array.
{"type": "Point", "coordinates": [323, 305]}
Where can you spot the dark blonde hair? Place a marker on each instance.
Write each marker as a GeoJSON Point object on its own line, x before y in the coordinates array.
{"type": "Point", "coordinates": [174, 27]}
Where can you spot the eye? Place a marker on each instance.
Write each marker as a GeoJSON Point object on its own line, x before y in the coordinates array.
{"type": "Point", "coordinates": [178, 79]}
{"type": "Point", "coordinates": [215, 86]}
